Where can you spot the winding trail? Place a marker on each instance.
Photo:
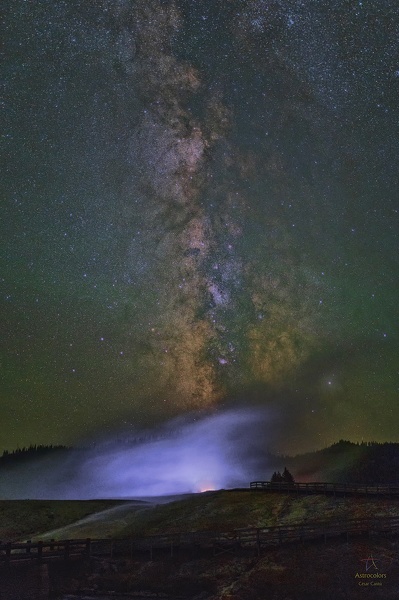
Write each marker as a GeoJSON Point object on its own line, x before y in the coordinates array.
{"type": "Point", "coordinates": [110, 519]}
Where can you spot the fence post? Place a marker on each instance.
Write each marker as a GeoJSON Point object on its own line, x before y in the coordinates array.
{"type": "Point", "coordinates": [88, 547]}
{"type": "Point", "coordinates": [8, 552]}
{"type": "Point", "coordinates": [28, 548]}
{"type": "Point", "coordinates": [39, 551]}
{"type": "Point", "coordinates": [66, 550]}
{"type": "Point", "coordinates": [258, 541]}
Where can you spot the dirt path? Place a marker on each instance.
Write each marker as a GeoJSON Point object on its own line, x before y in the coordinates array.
{"type": "Point", "coordinates": [106, 520]}
{"type": "Point", "coordinates": [105, 523]}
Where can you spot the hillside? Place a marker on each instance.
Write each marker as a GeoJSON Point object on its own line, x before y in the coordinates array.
{"type": "Point", "coordinates": [27, 518]}
{"type": "Point", "coordinates": [218, 511]}
{"type": "Point", "coordinates": [346, 462]}
{"type": "Point", "coordinates": [302, 572]}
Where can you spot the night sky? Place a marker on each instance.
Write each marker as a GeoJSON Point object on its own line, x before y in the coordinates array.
{"type": "Point", "coordinates": [200, 211]}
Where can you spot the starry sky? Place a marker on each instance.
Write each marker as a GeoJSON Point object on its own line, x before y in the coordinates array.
{"type": "Point", "coordinates": [200, 211]}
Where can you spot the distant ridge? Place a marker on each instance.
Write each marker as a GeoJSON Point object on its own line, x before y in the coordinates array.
{"type": "Point", "coordinates": [347, 462]}
{"type": "Point", "coordinates": [342, 462]}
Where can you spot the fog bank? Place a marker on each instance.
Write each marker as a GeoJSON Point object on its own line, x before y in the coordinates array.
{"type": "Point", "coordinates": [191, 454]}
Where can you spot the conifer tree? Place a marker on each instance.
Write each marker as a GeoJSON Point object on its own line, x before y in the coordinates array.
{"type": "Point", "coordinates": [286, 476]}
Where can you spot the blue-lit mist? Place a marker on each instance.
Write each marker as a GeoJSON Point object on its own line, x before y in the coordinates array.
{"type": "Point", "coordinates": [222, 450]}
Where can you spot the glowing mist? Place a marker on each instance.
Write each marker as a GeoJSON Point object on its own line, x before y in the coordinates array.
{"type": "Point", "coordinates": [223, 450]}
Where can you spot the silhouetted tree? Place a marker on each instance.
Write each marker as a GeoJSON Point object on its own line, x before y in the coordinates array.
{"type": "Point", "coordinates": [286, 476]}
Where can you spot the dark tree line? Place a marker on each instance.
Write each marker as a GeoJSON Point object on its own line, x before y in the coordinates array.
{"type": "Point", "coordinates": [349, 462]}
{"type": "Point", "coordinates": [27, 453]}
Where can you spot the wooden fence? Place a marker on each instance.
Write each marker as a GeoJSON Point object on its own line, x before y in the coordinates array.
{"type": "Point", "coordinates": [217, 542]}
{"type": "Point", "coordinates": [43, 551]}
{"type": "Point", "coordinates": [359, 489]}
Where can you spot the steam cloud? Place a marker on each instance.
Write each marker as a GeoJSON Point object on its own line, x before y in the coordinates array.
{"type": "Point", "coordinates": [223, 450]}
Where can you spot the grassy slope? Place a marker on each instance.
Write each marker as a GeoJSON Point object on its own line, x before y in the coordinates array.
{"type": "Point", "coordinates": [222, 511]}
{"type": "Point", "coordinates": [226, 510]}
{"type": "Point", "coordinates": [303, 572]}
{"type": "Point", "coordinates": [22, 518]}
{"type": "Point", "coordinates": [289, 572]}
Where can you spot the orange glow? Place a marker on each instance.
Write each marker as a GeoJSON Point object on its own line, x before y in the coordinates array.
{"type": "Point", "coordinates": [207, 487]}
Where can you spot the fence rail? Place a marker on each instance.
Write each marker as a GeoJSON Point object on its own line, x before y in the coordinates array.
{"type": "Point", "coordinates": [40, 551]}
{"type": "Point", "coordinates": [218, 542]}
{"type": "Point", "coordinates": [360, 489]}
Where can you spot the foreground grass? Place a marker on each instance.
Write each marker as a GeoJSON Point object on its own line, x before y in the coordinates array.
{"type": "Point", "coordinates": [27, 518]}
{"type": "Point", "coordinates": [302, 571]}
{"type": "Point", "coordinates": [227, 510]}
{"type": "Point", "coordinates": [290, 572]}
{"type": "Point", "coordinates": [211, 511]}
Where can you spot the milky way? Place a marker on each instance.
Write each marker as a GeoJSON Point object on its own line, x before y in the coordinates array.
{"type": "Point", "coordinates": [200, 211]}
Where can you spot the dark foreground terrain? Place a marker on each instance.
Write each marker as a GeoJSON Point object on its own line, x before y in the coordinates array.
{"type": "Point", "coordinates": [358, 568]}
{"type": "Point", "coordinates": [363, 568]}
{"type": "Point", "coordinates": [332, 571]}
